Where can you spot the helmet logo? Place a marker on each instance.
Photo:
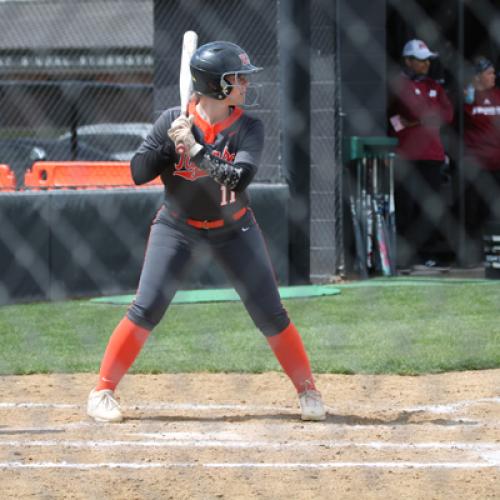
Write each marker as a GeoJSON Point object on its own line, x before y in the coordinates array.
{"type": "Point", "coordinates": [244, 58]}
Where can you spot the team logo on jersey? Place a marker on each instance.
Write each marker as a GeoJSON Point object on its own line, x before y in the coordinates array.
{"type": "Point", "coordinates": [225, 155]}
{"type": "Point", "coordinates": [486, 110]}
{"type": "Point", "coordinates": [188, 170]}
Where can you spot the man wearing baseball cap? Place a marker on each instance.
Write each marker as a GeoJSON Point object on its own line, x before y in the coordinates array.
{"type": "Point", "coordinates": [418, 108]}
{"type": "Point", "coordinates": [482, 161]}
{"type": "Point", "coordinates": [418, 50]}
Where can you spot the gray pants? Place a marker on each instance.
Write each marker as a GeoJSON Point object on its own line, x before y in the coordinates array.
{"type": "Point", "coordinates": [238, 247]}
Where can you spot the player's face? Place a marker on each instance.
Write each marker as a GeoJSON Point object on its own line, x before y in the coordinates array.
{"type": "Point", "coordinates": [486, 79]}
{"type": "Point", "coordinates": [239, 84]}
{"type": "Point", "coordinates": [418, 66]}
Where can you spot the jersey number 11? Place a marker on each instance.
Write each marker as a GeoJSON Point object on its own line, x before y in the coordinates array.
{"type": "Point", "coordinates": [224, 196]}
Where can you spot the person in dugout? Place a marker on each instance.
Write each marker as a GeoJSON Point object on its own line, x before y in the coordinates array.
{"type": "Point", "coordinates": [206, 205]}
{"type": "Point", "coordinates": [482, 156]}
{"type": "Point", "coordinates": [418, 108]}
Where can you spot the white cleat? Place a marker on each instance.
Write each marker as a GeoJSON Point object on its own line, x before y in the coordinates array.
{"type": "Point", "coordinates": [103, 407]}
{"type": "Point", "coordinates": [311, 405]}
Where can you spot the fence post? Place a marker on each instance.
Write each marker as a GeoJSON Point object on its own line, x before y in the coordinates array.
{"type": "Point", "coordinates": [294, 41]}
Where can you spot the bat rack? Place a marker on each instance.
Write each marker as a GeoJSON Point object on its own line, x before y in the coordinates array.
{"type": "Point", "coordinates": [369, 163]}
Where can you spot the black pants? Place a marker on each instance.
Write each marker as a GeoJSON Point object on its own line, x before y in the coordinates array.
{"type": "Point", "coordinates": [482, 205]}
{"type": "Point", "coordinates": [239, 248]}
{"type": "Point", "coordinates": [420, 211]}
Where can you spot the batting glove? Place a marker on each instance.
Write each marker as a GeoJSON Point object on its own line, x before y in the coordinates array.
{"type": "Point", "coordinates": [182, 122]}
{"type": "Point", "coordinates": [180, 132]}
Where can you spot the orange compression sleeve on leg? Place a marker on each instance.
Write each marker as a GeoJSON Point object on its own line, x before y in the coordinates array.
{"type": "Point", "coordinates": [290, 352]}
{"type": "Point", "coordinates": [123, 347]}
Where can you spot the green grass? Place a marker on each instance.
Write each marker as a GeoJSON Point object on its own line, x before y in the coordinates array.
{"type": "Point", "coordinates": [394, 329]}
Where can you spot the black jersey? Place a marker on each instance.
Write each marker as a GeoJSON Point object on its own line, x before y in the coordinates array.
{"type": "Point", "coordinates": [189, 190]}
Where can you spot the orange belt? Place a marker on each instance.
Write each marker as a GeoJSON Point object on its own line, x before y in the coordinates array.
{"type": "Point", "coordinates": [214, 224]}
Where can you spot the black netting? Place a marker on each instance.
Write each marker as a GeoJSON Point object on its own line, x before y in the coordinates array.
{"type": "Point", "coordinates": [84, 81]}
{"type": "Point", "coordinates": [339, 201]}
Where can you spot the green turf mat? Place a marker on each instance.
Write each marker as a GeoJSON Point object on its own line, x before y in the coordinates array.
{"type": "Point", "coordinates": [290, 292]}
{"type": "Point", "coordinates": [226, 294]}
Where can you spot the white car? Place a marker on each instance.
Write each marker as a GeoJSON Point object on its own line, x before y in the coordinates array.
{"type": "Point", "coordinates": [119, 141]}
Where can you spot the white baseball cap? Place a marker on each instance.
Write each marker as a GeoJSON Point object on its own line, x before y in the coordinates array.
{"type": "Point", "coordinates": [418, 50]}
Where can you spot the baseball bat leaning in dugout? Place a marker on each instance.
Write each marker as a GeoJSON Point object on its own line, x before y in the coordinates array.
{"type": "Point", "coordinates": [356, 226]}
{"type": "Point", "coordinates": [189, 46]}
{"type": "Point", "coordinates": [367, 215]}
{"type": "Point", "coordinates": [381, 233]}
{"type": "Point", "coordinates": [392, 216]}
{"type": "Point", "coordinates": [358, 241]}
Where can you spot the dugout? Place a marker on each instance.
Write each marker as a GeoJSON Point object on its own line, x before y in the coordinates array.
{"type": "Point", "coordinates": [63, 244]}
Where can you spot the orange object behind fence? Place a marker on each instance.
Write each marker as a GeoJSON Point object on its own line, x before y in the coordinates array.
{"type": "Point", "coordinates": [81, 174]}
{"type": "Point", "coordinates": [7, 178]}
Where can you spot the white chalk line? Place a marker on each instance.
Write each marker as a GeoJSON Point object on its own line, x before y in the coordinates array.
{"type": "Point", "coordinates": [439, 408]}
{"type": "Point", "coordinates": [218, 443]}
{"type": "Point", "coordinates": [151, 406]}
{"type": "Point", "coordinates": [453, 407]}
{"type": "Point", "coordinates": [448, 408]}
{"type": "Point", "coordinates": [317, 427]}
{"type": "Point", "coordinates": [489, 453]}
{"type": "Point", "coordinates": [28, 405]}
{"type": "Point", "coordinates": [251, 465]}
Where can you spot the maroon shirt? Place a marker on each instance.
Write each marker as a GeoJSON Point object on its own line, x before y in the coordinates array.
{"type": "Point", "coordinates": [482, 128]}
{"type": "Point", "coordinates": [415, 100]}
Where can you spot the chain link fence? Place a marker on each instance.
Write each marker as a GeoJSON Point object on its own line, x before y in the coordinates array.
{"type": "Point", "coordinates": [84, 81]}
{"type": "Point", "coordinates": [91, 95]}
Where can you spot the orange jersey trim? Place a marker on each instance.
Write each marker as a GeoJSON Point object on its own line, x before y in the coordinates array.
{"type": "Point", "coordinates": [210, 132]}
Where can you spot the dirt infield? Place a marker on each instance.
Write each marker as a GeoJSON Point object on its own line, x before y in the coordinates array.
{"type": "Point", "coordinates": [239, 436]}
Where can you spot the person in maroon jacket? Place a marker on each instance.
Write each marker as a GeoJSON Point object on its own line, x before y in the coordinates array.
{"type": "Point", "coordinates": [418, 108]}
{"type": "Point", "coordinates": [482, 161]}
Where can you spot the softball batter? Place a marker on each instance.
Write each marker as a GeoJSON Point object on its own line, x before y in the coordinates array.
{"type": "Point", "coordinates": [205, 202]}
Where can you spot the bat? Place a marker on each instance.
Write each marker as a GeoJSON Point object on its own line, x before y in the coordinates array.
{"type": "Point", "coordinates": [381, 236]}
{"type": "Point", "coordinates": [392, 214]}
{"type": "Point", "coordinates": [367, 222]}
{"type": "Point", "coordinates": [358, 239]}
{"type": "Point", "coordinates": [189, 46]}
{"type": "Point", "coordinates": [356, 226]}
{"type": "Point", "coordinates": [381, 233]}
{"type": "Point", "coordinates": [361, 208]}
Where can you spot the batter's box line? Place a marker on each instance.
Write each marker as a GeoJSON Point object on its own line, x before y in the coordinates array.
{"type": "Point", "coordinates": [454, 407]}
{"type": "Point", "coordinates": [147, 406]}
{"type": "Point", "coordinates": [492, 449]}
{"type": "Point", "coordinates": [251, 465]}
{"type": "Point", "coordinates": [438, 408]}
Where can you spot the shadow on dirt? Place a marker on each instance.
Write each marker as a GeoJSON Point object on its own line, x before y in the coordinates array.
{"type": "Point", "coordinates": [403, 418]}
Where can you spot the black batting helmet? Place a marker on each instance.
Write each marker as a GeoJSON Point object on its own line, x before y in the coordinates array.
{"type": "Point", "coordinates": [212, 62]}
